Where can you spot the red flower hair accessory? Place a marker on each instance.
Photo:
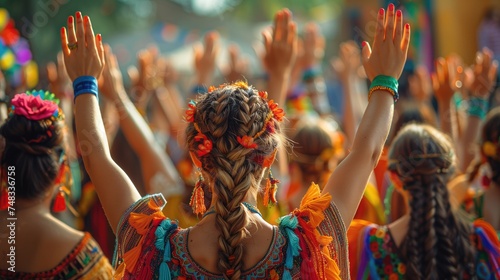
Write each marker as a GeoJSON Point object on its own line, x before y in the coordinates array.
{"type": "Point", "coordinates": [277, 111]}
{"type": "Point", "coordinates": [36, 105]}
{"type": "Point", "coordinates": [246, 141]}
{"type": "Point", "coordinates": [206, 145]}
{"type": "Point", "coordinates": [191, 111]}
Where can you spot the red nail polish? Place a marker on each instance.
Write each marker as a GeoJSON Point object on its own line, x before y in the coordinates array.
{"type": "Point", "coordinates": [70, 19]}
{"type": "Point", "coordinates": [391, 7]}
{"type": "Point", "coordinates": [87, 19]}
{"type": "Point", "coordinates": [363, 44]}
{"type": "Point", "coordinates": [407, 26]}
{"type": "Point", "coordinates": [78, 15]}
{"type": "Point", "coordinates": [381, 11]}
{"type": "Point", "coordinates": [99, 37]}
{"type": "Point", "coordinates": [399, 13]}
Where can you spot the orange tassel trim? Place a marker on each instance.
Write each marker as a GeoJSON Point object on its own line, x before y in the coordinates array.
{"type": "Point", "coordinates": [197, 201]}
{"type": "Point", "coordinates": [60, 200]}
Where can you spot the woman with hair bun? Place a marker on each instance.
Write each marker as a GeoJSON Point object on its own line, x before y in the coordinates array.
{"type": "Point", "coordinates": [33, 169]}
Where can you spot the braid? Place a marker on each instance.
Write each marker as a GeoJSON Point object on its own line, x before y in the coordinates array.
{"type": "Point", "coordinates": [412, 247]}
{"type": "Point", "coordinates": [437, 245]}
{"type": "Point", "coordinates": [224, 114]}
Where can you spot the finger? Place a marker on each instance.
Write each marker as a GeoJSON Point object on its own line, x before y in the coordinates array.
{"type": "Point", "coordinates": [439, 69]}
{"type": "Point", "coordinates": [133, 74]}
{"type": "Point", "coordinates": [61, 68]}
{"type": "Point", "coordinates": [435, 82]}
{"type": "Point", "coordinates": [405, 43]}
{"type": "Point", "coordinates": [277, 28]}
{"type": "Point", "coordinates": [492, 75]}
{"type": "Point", "coordinates": [487, 59]}
{"type": "Point", "coordinates": [80, 32]}
{"type": "Point", "coordinates": [197, 51]}
{"type": "Point", "coordinates": [398, 30]}
{"type": "Point", "coordinates": [292, 33]}
{"type": "Point", "coordinates": [379, 30]}
{"type": "Point", "coordinates": [71, 30]}
{"type": "Point", "coordinates": [267, 41]}
{"type": "Point", "coordinates": [209, 42]}
{"type": "Point", "coordinates": [366, 51]}
{"type": "Point", "coordinates": [89, 35]}
{"type": "Point", "coordinates": [51, 72]}
{"type": "Point", "coordinates": [285, 24]}
{"type": "Point", "coordinates": [233, 54]}
{"type": "Point", "coordinates": [479, 63]}
{"type": "Point", "coordinates": [100, 47]}
{"type": "Point", "coordinates": [389, 23]}
{"type": "Point", "coordinates": [64, 42]}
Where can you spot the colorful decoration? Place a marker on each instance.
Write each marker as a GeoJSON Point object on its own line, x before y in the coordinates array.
{"type": "Point", "coordinates": [36, 105]}
{"type": "Point", "coordinates": [15, 55]}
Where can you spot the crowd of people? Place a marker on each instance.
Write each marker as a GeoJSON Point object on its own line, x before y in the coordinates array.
{"type": "Point", "coordinates": [108, 181]}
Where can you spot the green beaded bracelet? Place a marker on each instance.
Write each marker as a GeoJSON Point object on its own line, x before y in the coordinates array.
{"type": "Point", "coordinates": [386, 83]}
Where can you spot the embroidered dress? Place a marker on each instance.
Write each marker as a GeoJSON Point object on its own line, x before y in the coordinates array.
{"type": "Point", "coordinates": [86, 262]}
{"type": "Point", "coordinates": [374, 254]}
{"type": "Point", "coordinates": [473, 204]}
{"type": "Point", "coordinates": [309, 243]}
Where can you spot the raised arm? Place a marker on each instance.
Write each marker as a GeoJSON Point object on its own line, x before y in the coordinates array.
{"type": "Point", "coordinates": [280, 53]}
{"type": "Point", "coordinates": [154, 160]}
{"type": "Point", "coordinates": [485, 73]}
{"type": "Point", "coordinates": [390, 47]}
{"type": "Point", "coordinates": [86, 58]}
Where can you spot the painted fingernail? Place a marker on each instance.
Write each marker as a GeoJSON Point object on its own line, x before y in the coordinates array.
{"type": "Point", "coordinates": [363, 44]}
{"type": "Point", "coordinates": [391, 7]}
{"type": "Point", "coordinates": [86, 19]}
{"type": "Point", "coordinates": [407, 26]}
{"type": "Point", "coordinates": [381, 11]}
{"type": "Point", "coordinates": [70, 19]}
{"type": "Point", "coordinates": [99, 37]}
{"type": "Point", "coordinates": [399, 13]}
{"type": "Point", "coordinates": [78, 15]}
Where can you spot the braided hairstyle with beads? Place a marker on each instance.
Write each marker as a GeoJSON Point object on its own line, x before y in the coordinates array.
{"type": "Point", "coordinates": [437, 244]}
{"type": "Point", "coordinates": [232, 169]}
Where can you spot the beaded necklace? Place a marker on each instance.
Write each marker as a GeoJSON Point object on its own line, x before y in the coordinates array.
{"type": "Point", "coordinates": [249, 206]}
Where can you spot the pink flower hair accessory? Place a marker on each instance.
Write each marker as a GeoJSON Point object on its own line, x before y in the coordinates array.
{"type": "Point", "coordinates": [36, 106]}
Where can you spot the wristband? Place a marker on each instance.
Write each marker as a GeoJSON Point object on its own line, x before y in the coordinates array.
{"type": "Point", "coordinates": [85, 85]}
{"type": "Point", "coordinates": [199, 89]}
{"type": "Point", "coordinates": [478, 107]}
{"type": "Point", "coordinates": [385, 83]}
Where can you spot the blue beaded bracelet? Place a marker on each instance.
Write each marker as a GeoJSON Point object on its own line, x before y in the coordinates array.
{"type": "Point", "coordinates": [385, 83]}
{"type": "Point", "coordinates": [478, 107]}
{"type": "Point", "coordinates": [85, 85]}
{"type": "Point", "coordinates": [311, 73]}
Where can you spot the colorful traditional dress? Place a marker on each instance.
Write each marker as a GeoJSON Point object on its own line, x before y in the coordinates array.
{"type": "Point", "coordinates": [309, 243]}
{"type": "Point", "coordinates": [374, 254]}
{"type": "Point", "coordinates": [86, 261]}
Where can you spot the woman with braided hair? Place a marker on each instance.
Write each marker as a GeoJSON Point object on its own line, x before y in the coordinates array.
{"type": "Point", "coordinates": [34, 168]}
{"type": "Point", "coordinates": [233, 134]}
{"type": "Point", "coordinates": [431, 242]}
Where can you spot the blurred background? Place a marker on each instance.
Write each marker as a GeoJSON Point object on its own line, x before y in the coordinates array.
{"type": "Point", "coordinates": [440, 27]}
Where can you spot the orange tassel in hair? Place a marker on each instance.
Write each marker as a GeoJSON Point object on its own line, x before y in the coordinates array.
{"type": "Point", "coordinates": [60, 201]}
{"type": "Point", "coordinates": [271, 189]}
{"type": "Point", "coordinates": [197, 201]}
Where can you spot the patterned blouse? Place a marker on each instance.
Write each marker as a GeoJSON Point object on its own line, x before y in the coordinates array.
{"type": "Point", "coordinates": [309, 243]}
{"type": "Point", "coordinates": [375, 255]}
{"type": "Point", "coordinates": [86, 262]}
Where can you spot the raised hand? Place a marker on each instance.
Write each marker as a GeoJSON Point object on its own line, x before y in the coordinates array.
{"type": "Point", "coordinates": [205, 58]}
{"type": "Point", "coordinates": [348, 62]}
{"type": "Point", "coordinates": [281, 45]}
{"type": "Point", "coordinates": [83, 52]}
{"type": "Point", "coordinates": [59, 81]}
{"type": "Point", "coordinates": [485, 73]}
{"type": "Point", "coordinates": [112, 81]}
{"type": "Point", "coordinates": [390, 45]}
{"type": "Point", "coordinates": [420, 84]}
{"type": "Point", "coordinates": [312, 47]}
{"type": "Point", "coordinates": [238, 66]}
{"type": "Point", "coordinates": [441, 81]}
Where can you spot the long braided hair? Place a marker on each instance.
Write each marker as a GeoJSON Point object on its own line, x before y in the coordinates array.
{"type": "Point", "coordinates": [232, 169]}
{"type": "Point", "coordinates": [437, 245]}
